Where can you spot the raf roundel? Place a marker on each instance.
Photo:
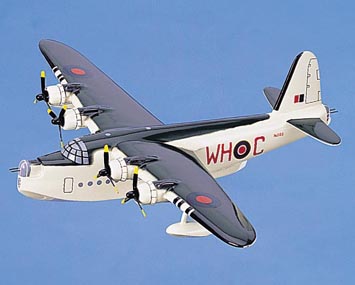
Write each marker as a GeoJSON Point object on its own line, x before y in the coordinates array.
{"type": "Point", "coordinates": [203, 200]}
{"type": "Point", "coordinates": [241, 150]}
{"type": "Point", "coordinates": [78, 71]}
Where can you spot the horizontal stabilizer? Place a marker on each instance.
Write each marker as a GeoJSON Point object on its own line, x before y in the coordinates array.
{"type": "Point", "coordinates": [317, 129]}
{"type": "Point", "coordinates": [271, 94]}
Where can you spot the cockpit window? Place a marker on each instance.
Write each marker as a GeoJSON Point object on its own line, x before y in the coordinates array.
{"type": "Point", "coordinates": [76, 151]}
{"type": "Point", "coordinates": [25, 168]}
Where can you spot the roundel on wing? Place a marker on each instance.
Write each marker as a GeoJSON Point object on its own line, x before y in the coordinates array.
{"type": "Point", "coordinates": [241, 150]}
{"type": "Point", "coordinates": [204, 200]}
{"type": "Point", "coordinates": [76, 70]}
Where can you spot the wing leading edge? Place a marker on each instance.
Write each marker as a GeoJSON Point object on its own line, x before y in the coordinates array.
{"type": "Point", "coordinates": [97, 89]}
{"type": "Point", "coordinates": [213, 208]}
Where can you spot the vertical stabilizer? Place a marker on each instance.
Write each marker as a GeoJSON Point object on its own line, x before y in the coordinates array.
{"type": "Point", "coordinates": [302, 84]}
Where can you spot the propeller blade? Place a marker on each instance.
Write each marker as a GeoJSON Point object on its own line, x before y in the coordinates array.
{"type": "Point", "coordinates": [106, 171]}
{"type": "Point", "coordinates": [43, 81]}
{"type": "Point", "coordinates": [52, 114]}
{"type": "Point", "coordinates": [141, 208]}
{"type": "Point", "coordinates": [58, 121]}
{"type": "Point", "coordinates": [135, 178]}
{"type": "Point", "coordinates": [106, 158]}
{"type": "Point", "coordinates": [61, 137]}
{"type": "Point", "coordinates": [143, 213]}
{"type": "Point", "coordinates": [111, 180]}
{"type": "Point", "coordinates": [44, 93]}
{"type": "Point", "coordinates": [62, 111]}
{"type": "Point", "coordinates": [61, 116]}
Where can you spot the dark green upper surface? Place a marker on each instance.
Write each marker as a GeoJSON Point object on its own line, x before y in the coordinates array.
{"type": "Point", "coordinates": [220, 216]}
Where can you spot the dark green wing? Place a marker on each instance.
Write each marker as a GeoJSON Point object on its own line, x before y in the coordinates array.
{"type": "Point", "coordinates": [213, 208]}
{"type": "Point", "coordinates": [97, 88]}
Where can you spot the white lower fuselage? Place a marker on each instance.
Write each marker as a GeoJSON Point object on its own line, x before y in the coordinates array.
{"type": "Point", "coordinates": [220, 153]}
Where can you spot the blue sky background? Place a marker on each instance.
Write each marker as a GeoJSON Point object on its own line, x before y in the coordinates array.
{"type": "Point", "coordinates": [184, 61]}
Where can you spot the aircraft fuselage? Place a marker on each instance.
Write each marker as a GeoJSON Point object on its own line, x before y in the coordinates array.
{"type": "Point", "coordinates": [221, 147]}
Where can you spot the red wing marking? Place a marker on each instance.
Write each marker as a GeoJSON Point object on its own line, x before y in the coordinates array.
{"type": "Point", "coordinates": [203, 199]}
{"type": "Point", "coordinates": [77, 71]}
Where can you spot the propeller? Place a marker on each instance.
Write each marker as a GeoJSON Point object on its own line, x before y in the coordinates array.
{"type": "Point", "coordinates": [106, 171]}
{"type": "Point", "coordinates": [59, 121]}
{"type": "Point", "coordinates": [44, 96]}
{"type": "Point", "coordinates": [134, 194]}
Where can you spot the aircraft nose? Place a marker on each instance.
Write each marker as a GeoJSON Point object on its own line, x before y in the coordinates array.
{"type": "Point", "coordinates": [29, 172]}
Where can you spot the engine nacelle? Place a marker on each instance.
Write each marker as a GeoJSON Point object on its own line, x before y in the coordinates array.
{"type": "Point", "coordinates": [73, 120]}
{"type": "Point", "coordinates": [119, 169]}
{"type": "Point", "coordinates": [58, 96]}
{"type": "Point", "coordinates": [149, 194]}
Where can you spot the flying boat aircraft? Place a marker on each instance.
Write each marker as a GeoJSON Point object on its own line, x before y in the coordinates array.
{"type": "Point", "coordinates": [131, 155]}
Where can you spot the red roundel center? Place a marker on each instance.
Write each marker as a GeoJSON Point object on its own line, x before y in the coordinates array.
{"type": "Point", "coordinates": [203, 199]}
{"type": "Point", "coordinates": [242, 149]}
{"type": "Point", "coordinates": [78, 71]}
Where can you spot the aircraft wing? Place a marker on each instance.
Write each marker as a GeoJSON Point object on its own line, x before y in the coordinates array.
{"type": "Point", "coordinates": [213, 209]}
{"type": "Point", "coordinates": [97, 89]}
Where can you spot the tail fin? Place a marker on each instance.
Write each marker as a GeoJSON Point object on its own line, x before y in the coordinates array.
{"type": "Point", "coordinates": [302, 84]}
{"type": "Point", "coordinates": [300, 90]}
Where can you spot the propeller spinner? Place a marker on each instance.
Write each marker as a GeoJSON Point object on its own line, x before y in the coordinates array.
{"type": "Point", "coordinates": [60, 119]}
